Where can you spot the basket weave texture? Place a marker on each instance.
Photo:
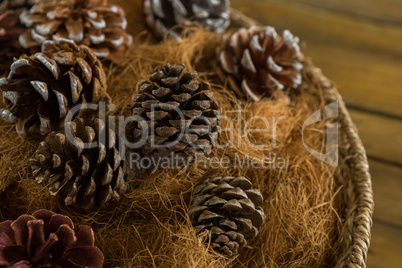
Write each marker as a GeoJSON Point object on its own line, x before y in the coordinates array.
{"type": "Point", "coordinates": [353, 172]}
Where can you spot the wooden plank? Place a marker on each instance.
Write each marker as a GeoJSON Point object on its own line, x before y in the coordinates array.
{"type": "Point", "coordinates": [387, 187]}
{"type": "Point", "coordinates": [381, 136]}
{"type": "Point", "coordinates": [324, 26]}
{"type": "Point", "coordinates": [387, 11]}
{"type": "Point", "coordinates": [386, 247]}
{"type": "Point", "coordinates": [363, 58]}
{"type": "Point", "coordinates": [362, 84]}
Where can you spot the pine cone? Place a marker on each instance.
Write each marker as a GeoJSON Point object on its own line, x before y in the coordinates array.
{"type": "Point", "coordinates": [94, 23]}
{"type": "Point", "coordinates": [180, 114]}
{"type": "Point", "coordinates": [85, 177]}
{"type": "Point", "coordinates": [16, 5]}
{"type": "Point", "coordinates": [256, 62]}
{"type": "Point", "coordinates": [162, 15]}
{"type": "Point", "coordinates": [41, 89]}
{"type": "Point", "coordinates": [230, 209]}
{"type": "Point", "coordinates": [46, 239]}
{"type": "Point", "coordinates": [10, 29]}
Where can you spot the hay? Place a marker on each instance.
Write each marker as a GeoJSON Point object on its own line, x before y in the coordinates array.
{"type": "Point", "coordinates": [150, 226]}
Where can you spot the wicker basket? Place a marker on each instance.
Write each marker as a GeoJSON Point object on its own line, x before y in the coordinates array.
{"type": "Point", "coordinates": [353, 172]}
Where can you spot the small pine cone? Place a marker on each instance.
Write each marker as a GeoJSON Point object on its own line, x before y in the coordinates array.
{"type": "Point", "coordinates": [10, 29]}
{"type": "Point", "coordinates": [180, 115]}
{"type": "Point", "coordinates": [93, 23]}
{"type": "Point", "coordinates": [87, 177]}
{"type": "Point", "coordinates": [47, 239]}
{"type": "Point", "coordinates": [256, 62]}
{"type": "Point", "coordinates": [16, 5]}
{"type": "Point", "coordinates": [163, 15]}
{"type": "Point", "coordinates": [230, 209]}
{"type": "Point", "coordinates": [41, 89]}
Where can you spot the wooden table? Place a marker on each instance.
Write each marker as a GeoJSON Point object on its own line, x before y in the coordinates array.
{"type": "Point", "coordinates": [358, 45]}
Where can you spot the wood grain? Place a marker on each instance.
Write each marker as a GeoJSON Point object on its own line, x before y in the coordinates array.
{"type": "Point", "coordinates": [363, 58]}
{"type": "Point", "coordinates": [386, 247]}
{"type": "Point", "coordinates": [385, 11]}
{"type": "Point", "coordinates": [362, 84]}
{"type": "Point", "coordinates": [387, 187]}
{"type": "Point", "coordinates": [381, 136]}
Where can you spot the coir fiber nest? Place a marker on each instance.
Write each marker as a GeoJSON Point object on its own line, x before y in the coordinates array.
{"type": "Point", "coordinates": [317, 215]}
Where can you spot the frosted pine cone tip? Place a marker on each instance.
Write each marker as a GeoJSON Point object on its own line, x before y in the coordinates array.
{"type": "Point", "coordinates": [94, 23]}
{"type": "Point", "coordinates": [256, 62]}
{"type": "Point", "coordinates": [40, 89]}
{"type": "Point", "coordinates": [168, 17]}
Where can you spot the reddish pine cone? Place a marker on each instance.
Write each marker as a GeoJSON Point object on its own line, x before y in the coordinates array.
{"type": "Point", "coordinates": [257, 62]}
{"type": "Point", "coordinates": [163, 16]}
{"type": "Point", "coordinates": [10, 29]}
{"type": "Point", "coordinates": [41, 89]}
{"type": "Point", "coordinates": [94, 23]}
{"type": "Point", "coordinates": [46, 239]}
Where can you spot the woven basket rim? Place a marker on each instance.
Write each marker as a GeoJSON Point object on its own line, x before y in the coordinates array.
{"type": "Point", "coordinates": [356, 232]}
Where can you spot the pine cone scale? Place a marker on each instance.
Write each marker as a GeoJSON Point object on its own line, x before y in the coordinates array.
{"type": "Point", "coordinates": [46, 85]}
{"type": "Point", "coordinates": [45, 239]}
{"type": "Point", "coordinates": [259, 62]}
{"type": "Point", "coordinates": [82, 177]}
{"type": "Point", "coordinates": [170, 110]}
{"type": "Point", "coordinates": [221, 206]}
{"type": "Point", "coordinates": [96, 24]}
{"type": "Point", "coordinates": [163, 16]}
{"type": "Point", "coordinates": [17, 6]}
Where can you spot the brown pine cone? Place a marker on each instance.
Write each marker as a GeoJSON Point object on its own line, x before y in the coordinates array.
{"type": "Point", "coordinates": [257, 62]}
{"type": "Point", "coordinates": [47, 239]}
{"type": "Point", "coordinates": [41, 89]}
{"type": "Point", "coordinates": [16, 5]}
{"type": "Point", "coordinates": [10, 29]}
{"type": "Point", "coordinates": [88, 177]}
{"type": "Point", "coordinates": [163, 15]}
{"type": "Point", "coordinates": [180, 115]}
{"type": "Point", "coordinates": [94, 23]}
{"type": "Point", "coordinates": [229, 208]}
